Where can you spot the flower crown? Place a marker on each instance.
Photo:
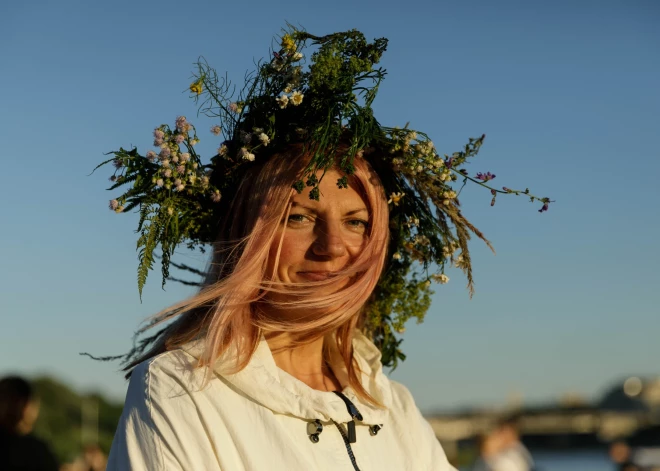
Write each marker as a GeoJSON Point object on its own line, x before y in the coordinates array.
{"type": "Point", "coordinates": [281, 103]}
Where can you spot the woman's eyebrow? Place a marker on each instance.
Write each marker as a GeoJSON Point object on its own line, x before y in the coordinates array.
{"type": "Point", "coordinates": [295, 204]}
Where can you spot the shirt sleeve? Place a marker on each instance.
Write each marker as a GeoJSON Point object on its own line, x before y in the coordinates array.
{"type": "Point", "coordinates": [158, 429]}
{"type": "Point", "coordinates": [420, 430]}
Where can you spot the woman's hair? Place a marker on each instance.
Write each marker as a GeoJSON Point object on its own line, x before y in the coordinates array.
{"type": "Point", "coordinates": [231, 309]}
{"type": "Point", "coordinates": [15, 394]}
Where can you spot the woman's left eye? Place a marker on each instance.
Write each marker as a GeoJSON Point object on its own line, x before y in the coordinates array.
{"type": "Point", "coordinates": [358, 223]}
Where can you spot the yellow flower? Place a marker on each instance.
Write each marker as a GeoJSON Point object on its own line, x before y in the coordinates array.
{"type": "Point", "coordinates": [197, 86]}
{"type": "Point", "coordinates": [288, 44]}
{"type": "Point", "coordinates": [395, 198]}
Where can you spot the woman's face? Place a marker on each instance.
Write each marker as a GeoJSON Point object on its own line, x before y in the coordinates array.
{"type": "Point", "coordinates": [320, 237]}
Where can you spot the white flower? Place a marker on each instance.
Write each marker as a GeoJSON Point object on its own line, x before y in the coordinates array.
{"type": "Point", "coordinates": [222, 150]}
{"type": "Point", "coordinates": [151, 156]}
{"type": "Point", "coordinates": [114, 204]}
{"type": "Point", "coordinates": [257, 130]}
{"type": "Point", "coordinates": [216, 130]}
{"type": "Point", "coordinates": [442, 278]}
{"type": "Point", "coordinates": [296, 98]}
{"type": "Point", "coordinates": [396, 256]}
{"type": "Point", "coordinates": [167, 173]}
{"type": "Point", "coordinates": [215, 196]}
{"type": "Point", "coordinates": [160, 182]}
{"type": "Point", "coordinates": [175, 158]}
{"type": "Point", "coordinates": [297, 56]}
{"type": "Point", "coordinates": [181, 169]}
{"type": "Point", "coordinates": [283, 101]}
{"type": "Point", "coordinates": [288, 88]}
{"type": "Point", "coordinates": [205, 181]}
{"type": "Point", "coordinates": [170, 210]}
{"type": "Point", "coordinates": [247, 155]}
{"type": "Point", "coordinates": [166, 163]}
{"type": "Point", "coordinates": [194, 142]}
{"type": "Point", "coordinates": [185, 157]}
{"type": "Point", "coordinates": [395, 198]}
{"type": "Point", "coordinates": [264, 139]}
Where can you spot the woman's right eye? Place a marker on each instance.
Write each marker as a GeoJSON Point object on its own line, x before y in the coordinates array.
{"type": "Point", "coordinates": [296, 218]}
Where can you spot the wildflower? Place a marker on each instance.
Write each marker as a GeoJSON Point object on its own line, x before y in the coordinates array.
{"type": "Point", "coordinates": [160, 182]}
{"type": "Point", "coordinates": [297, 56]}
{"type": "Point", "coordinates": [419, 168]}
{"type": "Point", "coordinates": [288, 44]}
{"type": "Point", "coordinates": [170, 210]}
{"type": "Point", "coordinates": [181, 169]}
{"type": "Point", "coordinates": [283, 101]}
{"type": "Point", "coordinates": [427, 283]}
{"type": "Point", "coordinates": [177, 182]}
{"type": "Point", "coordinates": [288, 88]}
{"type": "Point", "coordinates": [185, 157]}
{"type": "Point", "coordinates": [485, 176]}
{"type": "Point", "coordinates": [441, 278]}
{"type": "Point", "coordinates": [222, 150]}
{"type": "Point", "coordinates": [395, 198]}
{"type": "Point", "coordinates": [158, 137]}
{"type": "Point", "coordinates": [205, 181]}
{"type": "Point", "coordinates": [264, 139]}
{"type": "Point", "coordinates": [151, 156]}
{"type": "Point", "coordinates": [235, 108]}
{"type": "Point", "coordinates": [165, 163]}
{"type": "Point", "coordinates": [401, 330]}
{"type": "Point", "coordinates": [396, 256]}
{"type": "Point", "coordinates": [296, 98]}
{"type": "Point", "coordinates": [179, 138]}
{"type": "Point", "coordinates": [246, 155]}
{"type": "Point", "coordinates": [164, 153]}
{"type": "Point", "coordinates": [192, 179]}
{"type": "Point", "coordinates": [216, 130]}
{"type": "Point", "coordinates": [215, 196]}
{"type": "Point", "coordinates": [194, 142]}
{"type": "Point", "coordinates": [544, 207]}
{"type": "Point", "coordinates": [197, 86]}
{"type": "Point", "coordinates": [181, 122]}
{"type": "Point", "coordinates": [175, 158]}
{"type": "Point", "coordinates": [120, 209]}
{"type": "Point", "coordinates": [114, 204]}
{"type": "Point", "coordinates": [195, 165]}
{"type": "Point", "coordinates": [180, 187]}
{"type": "Point", "coordinates": [117, 163]}
{"type": "Point", "coordinates": [167, 173]}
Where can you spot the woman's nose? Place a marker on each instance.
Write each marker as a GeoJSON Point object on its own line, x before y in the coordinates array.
{"type": "Point", "coordinates": [329, 241]}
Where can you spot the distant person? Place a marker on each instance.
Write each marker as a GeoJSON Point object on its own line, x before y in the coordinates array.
{"type": "Point", "coordinates": [505, 451]}
{"type": "Point", "coordinates": [19, 409]}
{"type": "Point", "coordinates": [94, 458]}
{"type": "Point", "coordinates": [621, 455]}
{"type": "Point", "coordinates": [488, 445]}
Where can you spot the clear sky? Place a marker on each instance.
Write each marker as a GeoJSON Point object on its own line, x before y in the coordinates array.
{"type": "Point", "coordinates": [567, 93]}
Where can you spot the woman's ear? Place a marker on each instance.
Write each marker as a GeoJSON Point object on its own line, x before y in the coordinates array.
{"type": "Point", "coordinates": [30, 415]}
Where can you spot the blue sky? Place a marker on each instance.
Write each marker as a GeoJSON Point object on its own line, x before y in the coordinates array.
{"type": "Point", "coordinates": [566, 92]}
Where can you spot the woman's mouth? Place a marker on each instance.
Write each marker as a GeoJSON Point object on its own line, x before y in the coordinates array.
{"type": "Point", "coordinates": [315, 275]}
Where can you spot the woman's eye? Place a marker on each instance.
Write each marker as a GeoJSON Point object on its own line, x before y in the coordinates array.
{"type": "Point", "coordinates": [296, 218]}
{"type": "Point", "coordinates": [358, 223]}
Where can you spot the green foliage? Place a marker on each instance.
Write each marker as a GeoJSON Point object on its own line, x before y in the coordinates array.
{"type": "Point", "coordinates": [60, 418]}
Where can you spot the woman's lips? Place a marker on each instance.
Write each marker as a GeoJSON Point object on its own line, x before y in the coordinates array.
{"type": "Point", "coordinates": [315, 275]}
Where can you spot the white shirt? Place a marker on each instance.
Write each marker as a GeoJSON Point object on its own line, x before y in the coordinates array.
{"type": "Point", "coordinates": [257, 419]}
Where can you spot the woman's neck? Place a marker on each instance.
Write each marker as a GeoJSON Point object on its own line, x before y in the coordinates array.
{"type": "Point", "coordinates": [303, 362]}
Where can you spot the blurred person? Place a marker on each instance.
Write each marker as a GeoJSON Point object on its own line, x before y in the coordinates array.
{"type": "Point", "coordinates": [621, 454]}
{"type": "Point", "coordinates": [19, 410]}
{"type": "Point", "coordinates": [506, 451]}
{"type": "Point", "coordinates": [93, 458]}
{"type": "Point", "coordinates": [488, 445]}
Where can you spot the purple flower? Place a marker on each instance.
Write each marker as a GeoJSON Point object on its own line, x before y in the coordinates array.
{"type": "Point", "coordinates": [449, 162]}
{"type": "Point", "coordinates": [485, 176]}
{"type": "Point", "coordinates": [508, 190]}
{"type": "Point", "coordinates": [544, 207]}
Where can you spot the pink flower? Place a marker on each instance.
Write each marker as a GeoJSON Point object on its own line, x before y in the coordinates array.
{"type": "Point", "coordinates": [167, 173]}
{"type": "Point", "coordinates": [179, 138]}
{"type": "Point", "coordinates": [164, 153]}
{"type": "Point", "coordinates": [160, 182]}
{"type": "Point", "coordinates": [181, 123]}
{"type": "Point", "coordinates": [216, 130]}
{"type": "Point", "coordinates": [185, 157]}
{"type": "Point", "coordinates": [151, 156]}
{"type": "Point", "coordinates": [215, 196]}
{"type": "Point", "coordinates": [233, 107]}
{"type": "Point", "coordinates": [114, 204]}
{"type": "Point", "coordinates": [181, 168]}
{"type": "Point", "coordinates": [158, 134]}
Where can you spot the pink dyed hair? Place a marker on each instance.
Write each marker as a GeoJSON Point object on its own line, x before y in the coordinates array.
{"type": "Point", "coordinates": [225, 312]}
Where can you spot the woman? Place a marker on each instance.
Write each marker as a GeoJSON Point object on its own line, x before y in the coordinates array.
{"type": "Point", "coordinates": [317, 216]}
{"type": "Point", "coordinates": [19, 410]}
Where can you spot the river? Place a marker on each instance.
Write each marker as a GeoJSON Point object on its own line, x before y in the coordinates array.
{"type": "Point", "coordinates": [571, 461]}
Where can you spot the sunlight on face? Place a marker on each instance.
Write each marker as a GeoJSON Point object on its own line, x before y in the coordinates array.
{"type": "Point", "coordinates": [320, 237]}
